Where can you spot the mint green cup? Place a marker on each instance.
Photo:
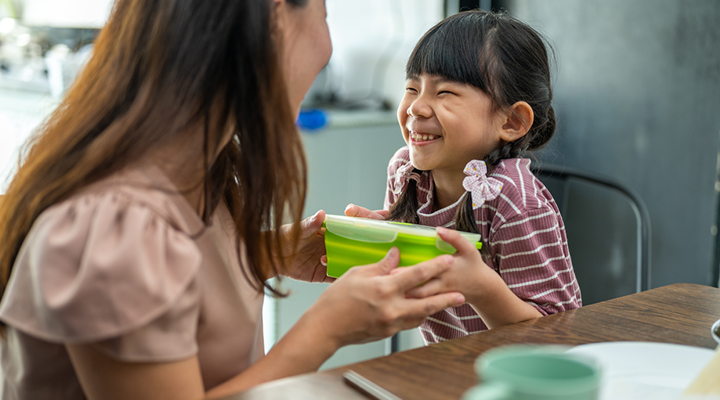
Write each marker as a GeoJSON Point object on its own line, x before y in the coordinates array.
{"type": "Point", "coordinates": [521, 372]}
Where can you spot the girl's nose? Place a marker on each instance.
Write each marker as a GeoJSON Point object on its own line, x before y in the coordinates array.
{"type": "Point", "coordinates": [419, 108]}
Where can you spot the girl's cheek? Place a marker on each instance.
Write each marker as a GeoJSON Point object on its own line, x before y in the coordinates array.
{"type": "Point", "coordinates": [401, 107]}
{"type": "Point", "coordinates": [404, 104]}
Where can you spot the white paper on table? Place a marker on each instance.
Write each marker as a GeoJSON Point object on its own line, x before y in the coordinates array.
{"type": "Point", "coordinates": [646, 370]}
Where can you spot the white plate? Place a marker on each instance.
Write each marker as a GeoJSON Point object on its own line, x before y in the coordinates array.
{"type": "Point", "coordinates": [645, 370]}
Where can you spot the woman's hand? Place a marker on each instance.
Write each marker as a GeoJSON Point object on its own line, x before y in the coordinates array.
{"type": "Point", "coordinates": [308, 262]}
{"type": "Point", "coordinates": [369, 303]}
{"type": "Point", "coordinates": [356, 211]}
{"type": "Point", "coordinates": [483, 288]}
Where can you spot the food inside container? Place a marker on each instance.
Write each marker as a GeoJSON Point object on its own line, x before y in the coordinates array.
{"type": "Point", "coordinates": [360, 241]}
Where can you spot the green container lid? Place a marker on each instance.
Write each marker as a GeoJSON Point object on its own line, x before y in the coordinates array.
{"type": "Point", "coordinates": [360, 241]}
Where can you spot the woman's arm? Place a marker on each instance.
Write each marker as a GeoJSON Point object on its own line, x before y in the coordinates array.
{"type": "Point", "coordinates": [103, 377]}
{"type": "Point", "coordinates": [366, 304]}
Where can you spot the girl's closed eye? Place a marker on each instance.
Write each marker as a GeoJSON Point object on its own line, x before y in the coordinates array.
{"type": "Point", "coordinates": [450, 88]}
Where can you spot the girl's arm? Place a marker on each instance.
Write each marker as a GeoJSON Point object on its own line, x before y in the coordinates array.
{"type": "Point", "coordinates": [483, 288]}
{"type": "Point", "coordinates": [366, 304]}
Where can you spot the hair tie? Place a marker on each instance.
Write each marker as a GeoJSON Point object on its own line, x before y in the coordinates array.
{"type": "Point", "coordinates": [479, 185]}
{"type": "Point", "coordinates": [404, 175]}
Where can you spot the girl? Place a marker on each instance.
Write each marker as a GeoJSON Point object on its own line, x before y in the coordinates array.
{"type": "Point", "coordinates": [136, 239]}
{"type": "Point", "coordinates": [478, 96]}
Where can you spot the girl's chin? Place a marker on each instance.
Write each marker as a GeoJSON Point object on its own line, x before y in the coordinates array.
{"type": "Point", "coordinates": [420, 164]}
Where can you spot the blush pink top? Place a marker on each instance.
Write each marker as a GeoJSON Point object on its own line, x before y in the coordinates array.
{"type": "Point", "coordinates": [126, 265]}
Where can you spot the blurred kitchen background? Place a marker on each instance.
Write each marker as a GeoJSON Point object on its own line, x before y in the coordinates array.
{"type": "Point", "coordinates": [637, 98]}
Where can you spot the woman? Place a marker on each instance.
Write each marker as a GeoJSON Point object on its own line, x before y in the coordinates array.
{"type": "Point", "coordinates": [137, 237]}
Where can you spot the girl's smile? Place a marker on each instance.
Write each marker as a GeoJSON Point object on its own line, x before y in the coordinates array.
{"type": "Point", "coordinates": [419, 138]}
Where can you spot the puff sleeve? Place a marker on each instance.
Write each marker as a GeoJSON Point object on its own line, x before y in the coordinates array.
{"type": "Point", "coordinates": [109, 270]}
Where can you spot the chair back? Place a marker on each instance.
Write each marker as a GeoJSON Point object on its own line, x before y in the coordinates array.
{"type": "Point", "coordinates": [608, 231]}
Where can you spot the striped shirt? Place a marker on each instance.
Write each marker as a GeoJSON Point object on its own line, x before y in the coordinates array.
{"type": "Point", "coordinates": [524, 233]}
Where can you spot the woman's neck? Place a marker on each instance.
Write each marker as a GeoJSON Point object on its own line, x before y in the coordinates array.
{"type": "Point", "coordinates": [448, 188]}
{"type": "Point", "coordinates": [187, 175]}
{"type": "Point", "coordinates": [183, 163]}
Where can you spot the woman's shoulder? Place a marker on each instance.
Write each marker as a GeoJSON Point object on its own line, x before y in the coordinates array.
{"type": "Point", "coordinates": [141, 187]}
{"type": "Point", "coordinates": [121, 202]}
{"type": "Point", "coordinates": [106, 260]}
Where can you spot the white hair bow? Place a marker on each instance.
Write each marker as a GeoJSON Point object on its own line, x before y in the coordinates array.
{"type": "Point", "coordinates": [479, 185]}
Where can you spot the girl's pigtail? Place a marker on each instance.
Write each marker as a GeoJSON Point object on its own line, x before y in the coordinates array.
{"type": "Point", "coordinates": [544, 132]}
{"type": "Point", "coordinates": [465, 221]}
{"type": "Point", "coordinates": [465, 216]}
{"type": "Point", "coordinates": [406, 207]}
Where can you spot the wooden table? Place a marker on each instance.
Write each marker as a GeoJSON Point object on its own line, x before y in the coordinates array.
{"type": "Point", "coordinates": [680, 313]}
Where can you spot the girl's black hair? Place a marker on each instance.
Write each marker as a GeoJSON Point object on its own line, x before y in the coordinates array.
{"type": "Point", "coordinates": [508, 61]}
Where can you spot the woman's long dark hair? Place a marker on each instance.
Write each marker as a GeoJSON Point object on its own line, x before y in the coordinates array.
{"type": "Point", "coordinates": [159, 68]}
{"type": "Point", "coordinates": [508, 61]}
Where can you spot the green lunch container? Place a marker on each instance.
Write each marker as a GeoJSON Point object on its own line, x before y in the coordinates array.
{"type": "Point", "coordinates": [353, 241]}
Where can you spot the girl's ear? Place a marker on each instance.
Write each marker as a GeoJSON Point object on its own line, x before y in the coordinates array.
{"type": "Point", "coordinates": [517, 122]}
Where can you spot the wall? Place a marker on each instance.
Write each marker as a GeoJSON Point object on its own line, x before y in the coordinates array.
{"type": "Point", "coordinates": [638, 99]}
{"type": "Point", "coordinates": [372, 40]}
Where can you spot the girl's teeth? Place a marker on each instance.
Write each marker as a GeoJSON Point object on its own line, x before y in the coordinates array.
{"type": "Point", "coordinates": [419, 137]}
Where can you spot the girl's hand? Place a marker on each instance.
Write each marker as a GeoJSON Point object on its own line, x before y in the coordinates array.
{"type": "Point", "coordinates": [356, 211]}
{"type": "Point", "coordinates": [369, 303]}
{"type": "Point", "coordinates": [469, 274]}
{"type": "Point", "coordinates": [308, 262]}
{"type": "Point", "coordinates": [483, 288]}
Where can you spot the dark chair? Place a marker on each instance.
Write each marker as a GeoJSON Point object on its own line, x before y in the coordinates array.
{"type": "Point", "coordinates": [608, 230]}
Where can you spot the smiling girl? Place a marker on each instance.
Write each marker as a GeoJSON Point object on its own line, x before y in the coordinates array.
{"type": "Point", "coordinates": [478, 96]}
